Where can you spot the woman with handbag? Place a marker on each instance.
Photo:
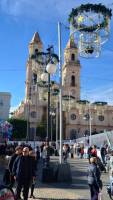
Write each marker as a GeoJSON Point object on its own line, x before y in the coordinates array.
{"type": "Point", "coordinates": [94, 181]}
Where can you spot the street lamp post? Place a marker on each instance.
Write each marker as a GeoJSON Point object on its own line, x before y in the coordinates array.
{"type": "Point", "coordinates": [48, 60]}
{"type": "Point", "coordinates": [48, 118]}
{"type": "Point", "coordinates": [55, 93]}
{"type": "Point", "coordinates": [28, 118]}
{"type": "Point", "coordinates": [52, 116]}
{"type": "Point", "coordinates": [57, 103]}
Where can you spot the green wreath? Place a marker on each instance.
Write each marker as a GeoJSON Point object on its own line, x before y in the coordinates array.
{"type": "Point", "coordinates": [44, 58]}
{"type": "Point", "coordinates": [97, 8]}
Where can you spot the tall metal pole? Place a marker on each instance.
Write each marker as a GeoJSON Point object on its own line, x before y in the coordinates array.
{"type": "Point", "coordinates": [60, 89]}
{"type": "Point", "coordinates": [57, 125]}
{"type": "Point", "coordinates": [48, 120]}
{"type": "Point", "coordinates": [27, 136]}
{"type": "Point", "coordinates": [51, 118]}
{"type": "Point", "coordinates": [90, 118]}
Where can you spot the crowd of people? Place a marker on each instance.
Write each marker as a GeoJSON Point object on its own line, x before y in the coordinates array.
{"type": "Point", "coordinates": [22, 165]}
{"type": "Point", "coordinates": [21, 169]}
{"type": "Point", "coordinates": [97, 165]}
{"type": "Point", "coordinates": [99, 161]}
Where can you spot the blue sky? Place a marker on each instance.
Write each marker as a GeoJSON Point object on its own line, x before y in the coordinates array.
{"type": "Point", "coordinates": [19, 19]}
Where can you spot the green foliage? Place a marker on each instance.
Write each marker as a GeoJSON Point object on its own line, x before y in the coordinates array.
{"type": "Point", "coordinates": [19, 128]}
{"type": "Point", "coordinates": [45, 57]}
{"type": "Point", "coordinates": [41, 130]}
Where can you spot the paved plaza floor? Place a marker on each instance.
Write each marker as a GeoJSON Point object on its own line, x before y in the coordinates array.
{"type": "Point", "coordinates": [76, 190]}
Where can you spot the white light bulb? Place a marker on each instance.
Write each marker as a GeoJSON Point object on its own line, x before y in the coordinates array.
{"type": "Point", "coordinates": [51, 68]}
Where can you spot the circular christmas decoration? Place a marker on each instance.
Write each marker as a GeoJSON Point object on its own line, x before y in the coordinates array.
{"type": "Point", "coordinates": [89, 45]}
{"type": "Point", "coordinates": [90, 25]}
{"type": "Point", "coordinates": [90, 17]}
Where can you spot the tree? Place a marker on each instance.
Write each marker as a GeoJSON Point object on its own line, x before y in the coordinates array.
{"type": "Point", "coordinates": [41, 130]}
{"type": "Point", "coordinates": [19, 128]}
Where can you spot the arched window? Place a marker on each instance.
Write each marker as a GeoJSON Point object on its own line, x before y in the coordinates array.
{"type": "Point", "coordinates": [73, 133]}
{"type": "Point", "coordinates": [34, 78]}
{"type": "Point", "coordinates": [72, 80]}
{"type": "Point", "coordinates": [101, 118]}
{"type": "Point", "coordinates": [72, 57]}
{"type": "Point", "coordinates": [36, 50]}
{"type": "Point", "coordinates": [33, 114]}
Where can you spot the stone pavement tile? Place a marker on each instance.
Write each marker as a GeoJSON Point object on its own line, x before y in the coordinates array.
{"type": "Point", "coordinates": [56, 193]}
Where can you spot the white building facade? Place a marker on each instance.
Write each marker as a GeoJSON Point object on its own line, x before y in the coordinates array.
{"type": "Point", "coordinates": [5, 101]}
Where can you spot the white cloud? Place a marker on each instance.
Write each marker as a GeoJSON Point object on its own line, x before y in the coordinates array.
{"type": "Point", "coordinates": [108, 52]}
{"type": "Point", "coordinates": [44, 9]}
{"type": "Point", "coordinates": [99, 94]}
{"type": "Point", "coordinates": [10, 7]}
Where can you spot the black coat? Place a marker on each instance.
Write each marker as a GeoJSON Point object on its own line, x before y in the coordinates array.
{"type": "Point", "coordinates": [24, 168]}
{"type": "Point", "coordinates": [11, 162]}
{"type": "Point", "coordinates": [94, 175]}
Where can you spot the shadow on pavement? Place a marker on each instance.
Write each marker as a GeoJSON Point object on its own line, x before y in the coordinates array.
{"type": "Point", "coordinates": [57, 199]}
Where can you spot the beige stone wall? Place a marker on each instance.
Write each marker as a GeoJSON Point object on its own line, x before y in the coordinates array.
{"type": "Point", "coordinates": [5, 101]}
{"type": "Point", "coordinates": [75, 119]}
{"type": "Point", "coordinates": [74, 112]}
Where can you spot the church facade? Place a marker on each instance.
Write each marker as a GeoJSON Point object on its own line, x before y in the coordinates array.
{"type": "Point", "coordinates": [79, 116]}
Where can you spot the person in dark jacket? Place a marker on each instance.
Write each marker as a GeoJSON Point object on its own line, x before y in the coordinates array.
{"type": "Point", "coordinates": [95, 184]}
{"type": "Point", "coordinates": [89, 153]}
{"type": "Point", "coordinates": [24, 173]}
{"type": "Point", "coordinates": [103, 153]}
{"type": "Point", "coordinates": [18, 152]}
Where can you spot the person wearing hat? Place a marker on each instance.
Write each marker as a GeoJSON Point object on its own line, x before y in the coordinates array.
{"type": "Point", "coordinates": [94, 181]}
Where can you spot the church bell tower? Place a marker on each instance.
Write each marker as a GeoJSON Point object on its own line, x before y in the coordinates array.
{"type": "Point", "coordinates": [71, 70]}
{"type": "Point", "coordinates": [34, 46]}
